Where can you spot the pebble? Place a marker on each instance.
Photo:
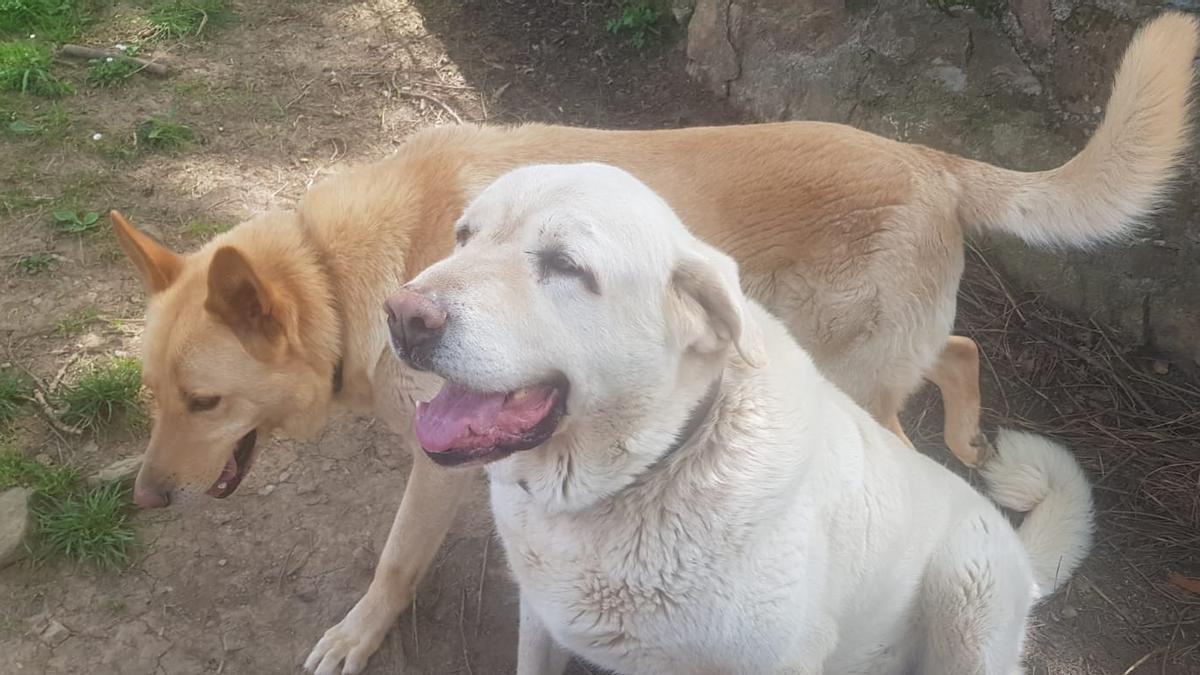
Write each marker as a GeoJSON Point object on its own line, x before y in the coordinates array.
{"type": "Point", "coordinates": [91, 341]}
{"type": "Point", "coordinates": [55, 633]}
{"type": "Point", "coordinates": [1069, 613]}
{"type": "Point", "coordinates": [266, 490]}
{"type": "Point", "coordinates": [222, 562]}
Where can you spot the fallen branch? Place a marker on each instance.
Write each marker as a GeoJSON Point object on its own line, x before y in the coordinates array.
{"type": "Point", "coordinates": [432, 99]}
{"type": "Point", "coordinates": [42, 394]}
{"type": "Point", "coordinates": [81, 52]}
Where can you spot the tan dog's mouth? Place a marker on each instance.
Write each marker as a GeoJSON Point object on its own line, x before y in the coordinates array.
{"type": "Point", "coordinates": [236, 468]}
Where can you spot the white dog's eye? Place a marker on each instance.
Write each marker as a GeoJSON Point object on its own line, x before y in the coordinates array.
{"type": "Point", "coordinates": [552, 262]}
{"type": "Point", "coordinates": [462, 235]}
{"type": "Point", "coordinates": [202, 403]}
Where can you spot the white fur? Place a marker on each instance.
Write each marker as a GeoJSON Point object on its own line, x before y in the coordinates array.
{"type": "Point", "coordinates": [791, 533]}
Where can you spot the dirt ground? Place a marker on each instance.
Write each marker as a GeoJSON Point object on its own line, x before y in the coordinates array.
{"type": "Point", "coordinates": [289, 91]}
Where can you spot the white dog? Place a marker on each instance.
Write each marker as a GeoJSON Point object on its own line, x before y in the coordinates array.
{"type": "Point", "coordinates": [680, 490]}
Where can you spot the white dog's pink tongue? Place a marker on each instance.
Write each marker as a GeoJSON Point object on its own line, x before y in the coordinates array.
{"type": "Point", "coordinates": [458, 418]}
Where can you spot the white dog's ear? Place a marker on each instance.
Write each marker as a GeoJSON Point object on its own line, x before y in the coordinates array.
{"type": "Point", "coordinates": [710, 284]}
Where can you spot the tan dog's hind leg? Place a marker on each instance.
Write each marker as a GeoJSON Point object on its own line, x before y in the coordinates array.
{"type": "Point", "coordinates": [886, 410]}
{"type": "Point", "coordinates": [430, 502]}
{"type": "Point", "coordinates": [893, 425]}
{"type": "Point", "coordinates": [956, 374]}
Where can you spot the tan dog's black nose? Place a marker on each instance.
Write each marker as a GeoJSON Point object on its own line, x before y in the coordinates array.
{"type": "Point", "coordinates": [415, 322]}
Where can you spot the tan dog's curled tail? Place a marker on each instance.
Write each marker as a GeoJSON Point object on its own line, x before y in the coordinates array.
{"type": "Point", "coordinates": [1040, 478]}
{"type": "Point", "coordinates": [1126, 167]}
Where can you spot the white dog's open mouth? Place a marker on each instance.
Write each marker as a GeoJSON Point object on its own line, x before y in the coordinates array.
{"type": "Point", "coordinates": [236, 468]}
{"type": "Point", "coordinates": [462, 426]}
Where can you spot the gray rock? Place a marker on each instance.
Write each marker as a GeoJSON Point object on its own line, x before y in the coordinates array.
{"type": "Point", "coordinates": [14, 525]}
{"type": "Point", "coordinates": [55, 633]}
{"type": "Point", "coordinates": [120, 470]}
{"type": "Point", "coordinates": [682, 10]}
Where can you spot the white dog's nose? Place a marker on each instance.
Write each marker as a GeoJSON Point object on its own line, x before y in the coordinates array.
{"type": "Point", "coordinates": [415, 321]}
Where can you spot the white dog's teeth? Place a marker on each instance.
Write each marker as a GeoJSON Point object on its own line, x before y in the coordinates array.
{"type": "Point", "coordinates": [520, 394]}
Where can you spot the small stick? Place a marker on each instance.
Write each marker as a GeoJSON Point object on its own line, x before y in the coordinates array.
{"type": "Point", "coordinates": [427, 97]}
{"type": "Point", "coordinates": [416, 635]}
{"type": "Point", "coordinates": [50, 414]}
{"type": "Point", "coordinates": [1137, 664]}
{"type": "Point", "coordinates": [462, 634]}
{"type": "Point", "coordinates": [41, 391]}
{"type": "Point", "coordinates": [81, 52]}
{"type": "Point", "coordinates": [1097, 364]}
{"type": "Point", "coordinates": [482, 579]}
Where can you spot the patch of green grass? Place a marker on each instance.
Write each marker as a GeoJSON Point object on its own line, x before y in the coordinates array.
{"type": "Point", "coordinates": [33, 264]}
{"type": "Point", "coordinates": [174, 19]}
{"type": "Point", "coordinates": [107, 394]}
{"type": "Point", "coordinates": [70, 221]}
{"type": "Point", "coordinates": [111, 71]}
{"type": "Point", "coordinates": [206, 229]}
{"type": "Point", "coordinates": [53, 124]}
{"type": "Point", "coordinates": [164, 133]}
{"type": "Point", "coordinates": [17, 470]}
{"type": "Point", "coordinates": [55, 20]}
{"type": "Point", "coordinates": [107, 250]}
{"type": "Point", "coordinates": [76, 322]}
{"type": "Point", "coordinates": [642, 21]}
{"type": "Point", "coordinates": [91, 525]}
{"type": "Point", "coordinates": [25, 67]}
{"type": "Point", "coordinates": [118, 148]}
{"type": "Point", "coordinates": [15, 392]}
{"type": "Point", "coordinates": [19, 199]}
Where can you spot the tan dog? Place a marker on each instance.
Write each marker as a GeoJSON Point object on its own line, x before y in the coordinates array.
{"type": "Point", "coordinates": [853, 240]}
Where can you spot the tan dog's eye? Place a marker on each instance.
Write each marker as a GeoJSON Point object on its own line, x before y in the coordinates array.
{"type": "Point", "coordinates": [462, 235]}
{"type": "Point", "coordinates": [203, 403]}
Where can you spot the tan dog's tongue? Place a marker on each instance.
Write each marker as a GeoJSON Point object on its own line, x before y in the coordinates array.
{"type": "Point", "coordinates": [227, 474]}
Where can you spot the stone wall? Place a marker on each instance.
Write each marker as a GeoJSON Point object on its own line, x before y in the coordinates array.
{"type": "Point", "coordinates": [1016, 82]}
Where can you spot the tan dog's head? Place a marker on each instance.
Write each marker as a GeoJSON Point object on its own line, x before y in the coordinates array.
{"type": "Point", "coordinates": [240, 339]}
{"type": "Point", "coordinates": [577, 316]}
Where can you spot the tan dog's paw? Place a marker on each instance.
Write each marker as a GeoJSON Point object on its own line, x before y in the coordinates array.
{"type": "Point", "coordinates": [352, 641]}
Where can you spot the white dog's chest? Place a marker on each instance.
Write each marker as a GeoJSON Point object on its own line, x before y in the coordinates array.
{"type": "Point", "coordinates": [651, 596]}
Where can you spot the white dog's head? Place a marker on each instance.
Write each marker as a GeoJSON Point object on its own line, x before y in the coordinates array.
{"type": "Point", "coordinates": [575, 311]}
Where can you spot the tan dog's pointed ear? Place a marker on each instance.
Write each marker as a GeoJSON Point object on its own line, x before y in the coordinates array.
{"type": "Point", "coordinates": [241, 300]}
{"type": "Point", "coordinates": [157, 265]}
{"type": "Point", "coordinates": [712, 283]}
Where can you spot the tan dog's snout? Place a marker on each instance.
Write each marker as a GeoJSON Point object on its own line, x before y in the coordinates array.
{"type": "Point", "coordinates": [148, 495]}
{"type": "Point", "coordinates": [415, 321]}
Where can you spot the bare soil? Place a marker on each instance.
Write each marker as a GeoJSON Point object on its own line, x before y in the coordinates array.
{"type": "Point", "coordinates": [289, 91]}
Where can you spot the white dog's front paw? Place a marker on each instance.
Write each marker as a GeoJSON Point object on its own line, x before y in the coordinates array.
{"type": "Point", "coordinates": [352, 641]}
